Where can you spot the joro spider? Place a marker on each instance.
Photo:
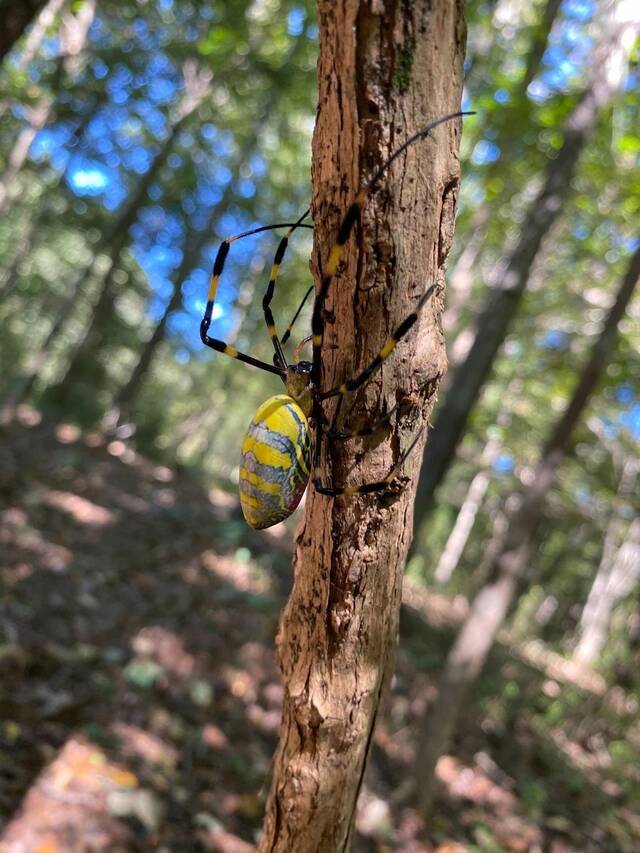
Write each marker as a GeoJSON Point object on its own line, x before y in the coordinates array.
{"type": "Point", "coordinates": [276, 462]}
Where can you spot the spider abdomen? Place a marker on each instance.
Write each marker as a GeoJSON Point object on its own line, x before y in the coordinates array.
{"type": "Point", "coordinates": [274, 470]}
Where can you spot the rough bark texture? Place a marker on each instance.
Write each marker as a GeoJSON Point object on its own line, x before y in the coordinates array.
{"type": "Point", "coordinates": [489, 608]}
{"type": "Point", "coordinates": [384, 71]}
{"type": "Point", "coordinates": [512, 276]}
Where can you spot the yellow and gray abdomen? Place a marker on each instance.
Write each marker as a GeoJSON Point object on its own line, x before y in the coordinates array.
{"type": "Point", "coordinates": [275, 462]}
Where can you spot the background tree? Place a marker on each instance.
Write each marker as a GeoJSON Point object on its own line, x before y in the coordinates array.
{"type": "Point", "coordinates": [489, 608]}
{"type": "Point", "coordinates": [619, 30]}
{"type": "Point", "coordinates": [15, 19]}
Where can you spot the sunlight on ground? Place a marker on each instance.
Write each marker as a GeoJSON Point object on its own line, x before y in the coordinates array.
{"type": "Point", "coordinates": [16, 533]}
{"type": "Point", "coordinates": [242, 575]}
{"type": "Point", "coordinates": [74, 797]}
{"type": "Point", "coordinates": [166, 649]}
{"type": "Point", "coordinates": [80, 509]}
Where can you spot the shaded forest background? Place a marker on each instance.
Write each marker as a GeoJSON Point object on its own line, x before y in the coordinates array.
{"type": "Point", "coordinates": [140, 699]}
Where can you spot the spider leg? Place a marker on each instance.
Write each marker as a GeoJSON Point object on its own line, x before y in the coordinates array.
{"type": "Point", "coordinates": [218, 266]}
{"type": "Point", "coordinates": [280, 359]}
{"type": "Point", "coordinates": [344, 231]}
{"type": "Point", "coordinates": [367, 488]}
{"type": "Point", "coordinates": [385, 352]}
{"type": "Point", "coordinates": [287, 333]}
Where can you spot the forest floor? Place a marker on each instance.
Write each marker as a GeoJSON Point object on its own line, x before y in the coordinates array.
{"type": "Point", "coordinates": [140, 698]}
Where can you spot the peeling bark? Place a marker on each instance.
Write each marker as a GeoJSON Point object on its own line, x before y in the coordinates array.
{"type": "Point", "coordinates": [384, 71]}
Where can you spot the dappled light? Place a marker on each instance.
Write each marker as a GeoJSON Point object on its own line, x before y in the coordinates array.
{"type": "Point", "coordinates": [80, 509]}
{"type": "Point", "coordinates": [170, 680]}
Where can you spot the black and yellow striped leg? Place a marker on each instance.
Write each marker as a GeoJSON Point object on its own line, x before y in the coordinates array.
{"type": "Point", "coordinates": [280, 359]}
{"type": "Point", "coordinates": [385, 485]}
{"type": "Point", "coordinates": [218, 266]}
{"type": "Point", "coordinates": [385, 352]}
{"type": "Point", "coordinates": [350, 218]}
{"type": "Point", "coordinates": [329, 271]}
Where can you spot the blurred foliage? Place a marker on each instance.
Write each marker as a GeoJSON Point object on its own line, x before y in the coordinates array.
{"type": "Point", "coordinates": [242, 158]}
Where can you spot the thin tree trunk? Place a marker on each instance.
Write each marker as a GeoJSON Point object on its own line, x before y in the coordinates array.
{"type": "Point", "coordinates": [381, 76]}
{"type": "Point", "coordinates": [489, 608]}
{"type": "Point", "coordinates": [33, 41]}
{"type": "Point", "coordinates": [512, 276]}
{"type": "Point", "coordinates": [113, 242]}
{"type": "Point", "coordinates": [73, 38]}
{"type": "Point", "coordinates": [461, 530]}
{"type": "Point", "coordinates": [610, 582]}
{"type": "Point", "coordinates": [539, 42]}
{"type": "Point", "coordinates": [461, 277]}
{"type": "Point", "coordinates": [196, 86]}
{"type": "Point", "coordinates": [14, 19]}
{"type": "Point", "coordinates": [128, 393]}
{"type": "Point", "coordinates": [31, 230]}
{"type": "Point", "coordinates": [38, 117]}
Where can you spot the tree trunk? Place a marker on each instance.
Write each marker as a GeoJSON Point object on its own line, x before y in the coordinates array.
{"type": "Point", "coordinates": [511, 277]}
{"type": "Point", "coordinates": [73, 38]}
{"type": "Point", "coordinates": [382, 74]}
{"type": "Point", "coordinates": [33, 41]}
{"type": "Point", "coordinates": [489, 608]}
{"type": "Point", "coordinates": [613, 582]}
{"type": "Point", "coordinates": [95, 333]}
{"type": "Point", "coordinates": [113, 242]}
{"type": "Point", "coordinates": [128, 393]}
{"type": "Point", "coordinates": [465, 269]}
{"type": "Point", "coordinates": [459, 536]}
{"type": "Point", "coordinates": [539, 42]}
{"type": "Point", "coordinates": [14, 19]}
{"type": "Point", "coordinates": [614, 572]}
{"type": "Point", "coordinates": [461, 530]}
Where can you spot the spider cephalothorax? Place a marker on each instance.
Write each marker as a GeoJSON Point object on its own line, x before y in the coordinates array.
{"type": "Point", "coordinates": [278, 456]}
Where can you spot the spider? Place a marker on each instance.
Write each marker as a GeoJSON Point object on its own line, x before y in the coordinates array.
{"type": "Point", "coordinates": [277, 460]}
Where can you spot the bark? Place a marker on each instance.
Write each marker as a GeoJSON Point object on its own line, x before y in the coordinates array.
{"type": "Point", "coordinates": [511, 277]}
{"type": "Point", "coordinates": [618, 570]}
{"type": "Point", "coordinates": [73, 38]}
{"type": "Point", "coordinates": [489, 608]}
{"type": "Point", "coordinates": [383, 72]}
{"type": "Point", "coordinates": [14, 19]}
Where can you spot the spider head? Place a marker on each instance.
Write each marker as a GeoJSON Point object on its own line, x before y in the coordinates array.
{"type": "Point", "coordinates": [298, 382]}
